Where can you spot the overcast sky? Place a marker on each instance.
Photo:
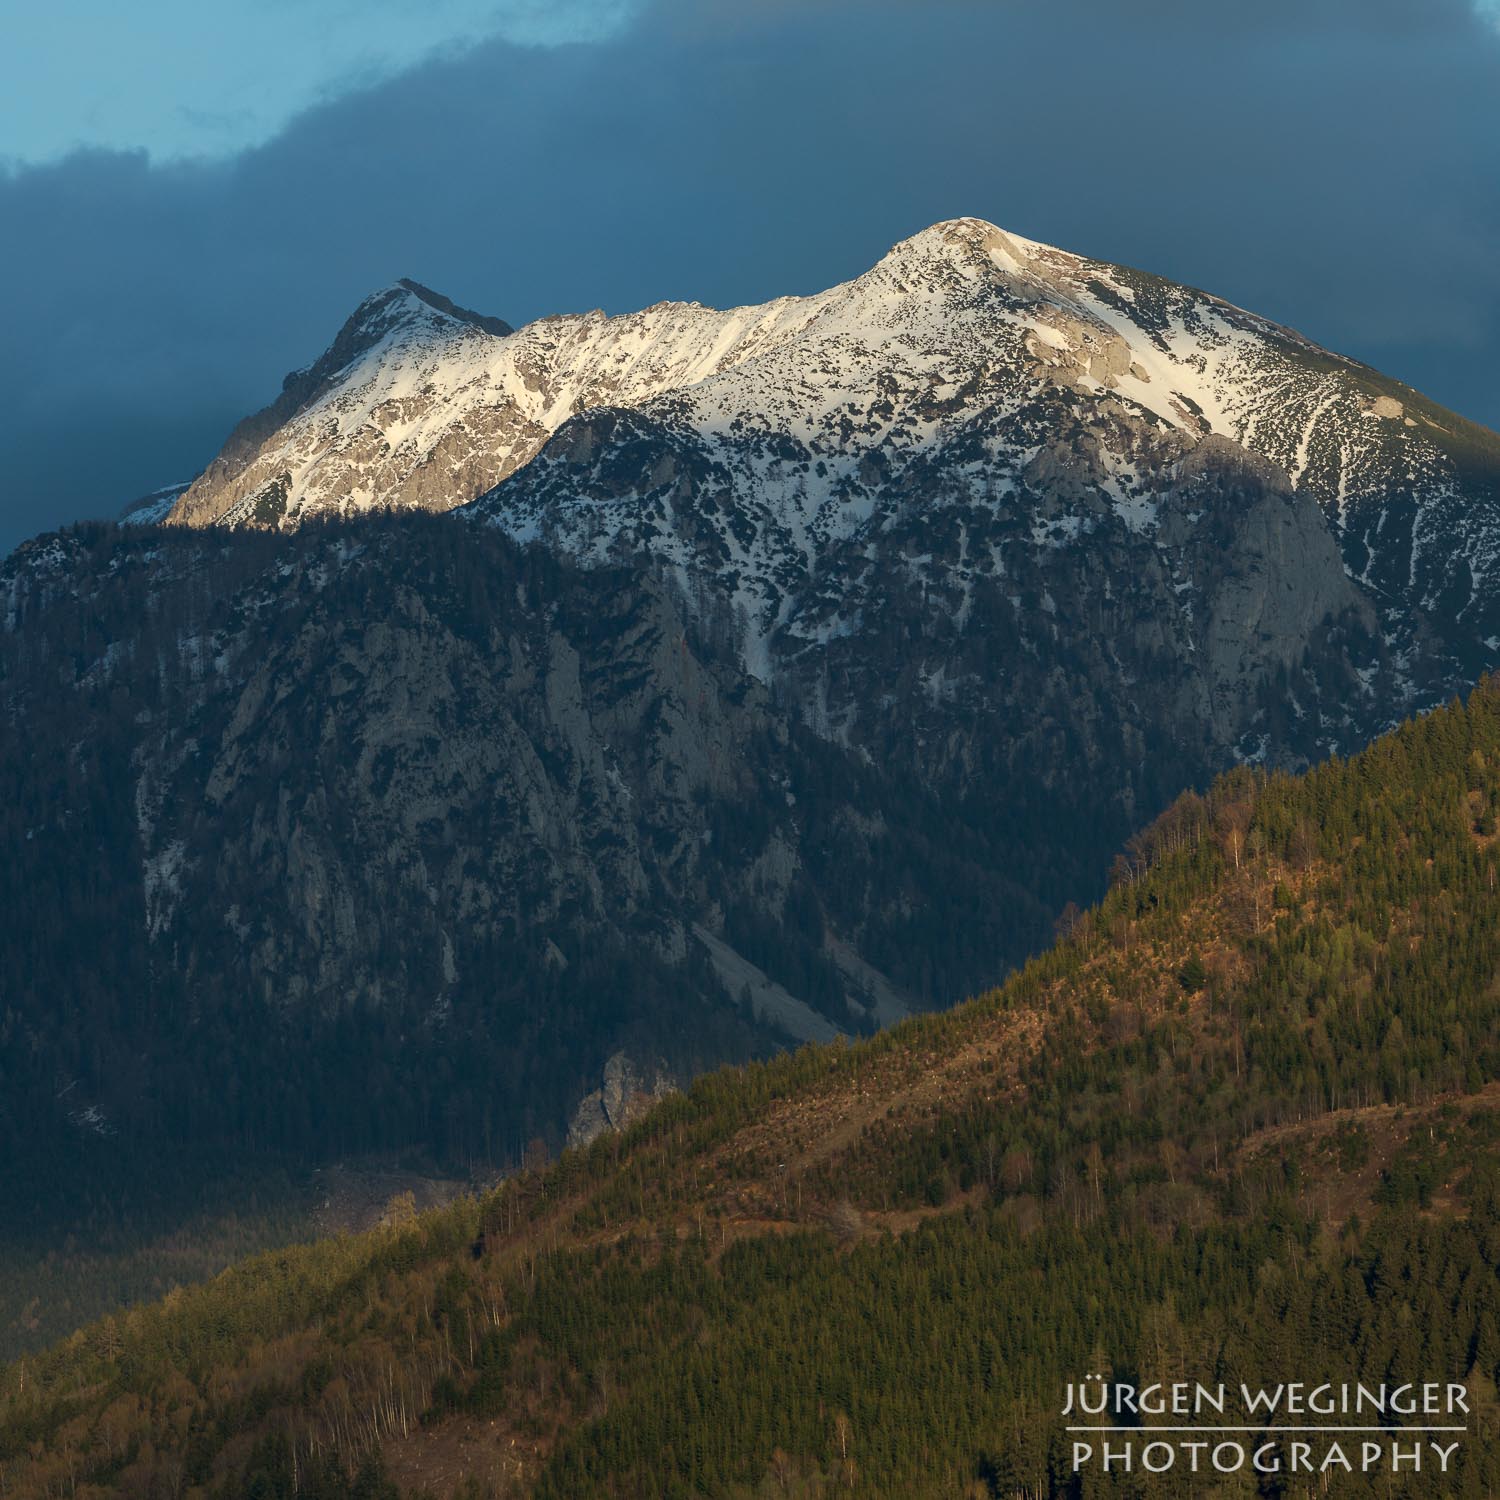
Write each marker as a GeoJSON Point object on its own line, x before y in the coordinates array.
{"type": "Point", "coordinates": [193, 197]}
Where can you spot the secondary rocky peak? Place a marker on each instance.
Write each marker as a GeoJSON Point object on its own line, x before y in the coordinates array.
{"type": "Point", "coordinates": [971, 377]}
{"type": "Point", "coordinates": [403, 303]}
{"type": "Point", "coordinates": [445, 305]}
{"type": "Point", "coordinates": [838, 611]}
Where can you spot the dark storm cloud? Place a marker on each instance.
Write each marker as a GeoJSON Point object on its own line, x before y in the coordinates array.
{"type": "Point", "coordinates": [1331, 163]}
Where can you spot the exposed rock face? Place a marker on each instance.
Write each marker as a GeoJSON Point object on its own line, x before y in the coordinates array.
{"type": "Point", "coordinates": [394, 834]}
{"type": "Point", "coordinates": [625, 1095]}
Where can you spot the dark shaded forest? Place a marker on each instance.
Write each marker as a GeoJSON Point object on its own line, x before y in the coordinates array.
{"type": "Point", "coordinates": [312, 857]}
{"type": "Point", "coordinates": [1240, 1123]}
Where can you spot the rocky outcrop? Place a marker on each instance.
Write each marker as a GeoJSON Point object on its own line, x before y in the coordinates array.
{"type": "Point", "coordinates": [626, 1093]}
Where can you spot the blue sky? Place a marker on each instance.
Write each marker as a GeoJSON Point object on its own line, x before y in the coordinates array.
{"type": "Point", "coordinates": [194, 197]}
{"type": "Point", "coordinates": [185, 78]}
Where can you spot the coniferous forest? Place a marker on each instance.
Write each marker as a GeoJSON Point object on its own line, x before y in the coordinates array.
{"type": "Point", "coordinates": [1240, 1124]}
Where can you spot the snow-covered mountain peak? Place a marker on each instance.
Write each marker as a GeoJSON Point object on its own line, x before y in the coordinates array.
{"type": "Point", "coordinates": [408, 301]}
{"type": "Point", "coordinates": [973, 245]}
{"type": "Point", "coordinates": [446, 308]}
{"type": "Point", "coordinates": [972, 257]}
{"type": "Point", "coordinates": [396, 311]}
{"type": "Point", "coordinates": [406, 313]}
{"type": "Point", "coordinates": [396, 302]}
{"type": "Point", "coordinates": [968, 367]}
{"type": "Point", "coordinates": [419, 401]}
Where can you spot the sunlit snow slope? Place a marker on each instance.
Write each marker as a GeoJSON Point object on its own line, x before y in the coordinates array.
{"type": "Point", "coordinates": [967, 365]}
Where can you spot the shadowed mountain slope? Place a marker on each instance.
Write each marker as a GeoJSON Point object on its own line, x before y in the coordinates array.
{"type": "Point", "coordinates": [1240, 1121]}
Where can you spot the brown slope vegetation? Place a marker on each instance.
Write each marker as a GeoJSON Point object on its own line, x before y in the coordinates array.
{"type": "Point", "coordinates": [1246, 1106]}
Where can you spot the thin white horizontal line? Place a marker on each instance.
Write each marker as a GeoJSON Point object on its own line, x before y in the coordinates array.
{"type": "Point", "coordinates": [1394, 1431]}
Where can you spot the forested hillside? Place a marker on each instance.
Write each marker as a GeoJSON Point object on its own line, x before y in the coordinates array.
{"type": "Point", "coordinates": [1240, 1123]}
{"type": "Point", "coordinates": [381, 841]}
